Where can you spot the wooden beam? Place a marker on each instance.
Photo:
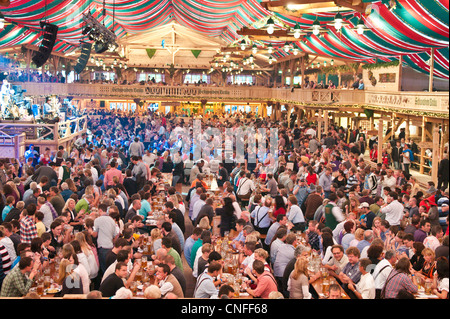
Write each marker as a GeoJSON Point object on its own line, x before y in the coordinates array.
{"type": "Point", "coordinates": [380, 143]}
{"type": "Point", "coordinates": [422, 149]}
{"type": "Point", "coordinates": [436, 151]}
{"type": "Point", "coordinates": [259, 32]}
{"type": "Point", "coordinates": [313, 6]}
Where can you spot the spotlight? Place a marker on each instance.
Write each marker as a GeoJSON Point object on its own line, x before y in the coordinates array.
{"type": "Point", "coordinates": [104, 38]}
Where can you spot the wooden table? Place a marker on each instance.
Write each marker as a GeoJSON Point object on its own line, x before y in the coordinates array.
{"type": "Point", "coordinates": [317, 285]}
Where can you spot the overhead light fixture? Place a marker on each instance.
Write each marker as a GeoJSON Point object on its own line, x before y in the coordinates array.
{"type": "Point", "coordinates": [338, 21]}
{"type": "Point", "coordinates": [270, 25]}
{"type": "Point", "coordinates": [254, 49]}
{"type": "Point", "coordinates": [270, 60]}
{"type": "Point", "coordinates": [324, 63]}
{"type": "Point", "coordinates": [316, 27]}
{"type": "Point", "coordinates": [361, 27]}
{"type": "Point", "coordinates": [318, 64]}
{"type": "Point", "coordinates": [243, 44]}
{"type": "Point", "coordinates": [332, 62]}
{"type": "Point", "coordinates": [104, 39]}
{"type": "Point", "coordinates": [251, 58]}
{"type": "Point", "coordinates": [270, 48]}
{"type": "Point", "coordinates": [286, 47]}
{"type": "Point", "coordinates": [295, 51]}
{"type": "Point", "coordinates": [297, 31]}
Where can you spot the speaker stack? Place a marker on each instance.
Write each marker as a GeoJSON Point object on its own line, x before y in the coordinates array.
{"type": "Point", "coordinates": [48, 41]}
{"type": "Point", "coordinates": [84, 57]}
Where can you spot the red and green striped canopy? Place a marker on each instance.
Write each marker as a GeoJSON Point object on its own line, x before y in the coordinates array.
{"type": "Point", "coordinates": [410, 29]}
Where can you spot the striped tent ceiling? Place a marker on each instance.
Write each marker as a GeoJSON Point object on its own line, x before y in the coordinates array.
{"type": "Point", "coordinates": [410, 28]}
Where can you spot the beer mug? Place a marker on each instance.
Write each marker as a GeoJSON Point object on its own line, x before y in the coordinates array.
{"type": "Point", "coordinates": [144, 262]}
{"type": "Point", "coordinates": [325, 287]}
{"type": "Point", "coordinates": [40, 288]}
{"type": "Point", "coordinates": [428, 284]}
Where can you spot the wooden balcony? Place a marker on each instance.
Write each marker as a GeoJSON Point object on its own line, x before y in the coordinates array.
{"type": "Point", "coordinates": [434, 103]}
{"type": "Point", "coordinates": [16, 136]}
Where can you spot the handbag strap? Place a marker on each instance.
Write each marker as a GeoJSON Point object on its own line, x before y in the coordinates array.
{"type": "Point", "coordinates": [241, 184]}
{"type": "Point", "coordinates": [259, 220]}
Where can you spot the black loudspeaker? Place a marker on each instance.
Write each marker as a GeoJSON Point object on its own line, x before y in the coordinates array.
{"type": "Point", "coordinates": [48, 41]}
{"type": "Point", "coordinates": [84, 57]}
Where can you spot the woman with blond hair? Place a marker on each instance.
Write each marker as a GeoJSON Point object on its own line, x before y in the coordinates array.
{"type": "Point", "coordinates": [76, 220]}
{"type": "Point", "coordinates": [90, 190]}
{"type": "Point", "coordinates": [69, 280]}
{"type": "Point", "coordinates": [429, 266]}
{"type": "Point", "coordinates": [359, 235]}
{"type": "Point", "coordinates": [298, 282]}
{"type": "Point", "coordinates": [89, 253]}
{"type": "Point", "coordinates": [155, 237]}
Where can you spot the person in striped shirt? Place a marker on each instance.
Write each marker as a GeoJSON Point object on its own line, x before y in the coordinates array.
{"type": "Point", "coordinates": [400, 278]}
{"type": "Point", "coordinates": [28, 229]}
{"type": "Point", "coordinates": [6, 260]}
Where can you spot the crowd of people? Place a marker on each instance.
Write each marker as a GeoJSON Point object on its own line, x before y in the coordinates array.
{"type": "Point", "coordinates": [377, 232]}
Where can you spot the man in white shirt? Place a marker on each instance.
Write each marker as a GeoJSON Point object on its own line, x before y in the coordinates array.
{"type": "Point", "coordinates": [249, 252]}
{"type": "Point", "coordinates": [393, 209]}
{"type": "Point", "coordinates": [432, 241]}
{"type": "Point", "coordinates": [382, 270]}
{"type": "Point", "coordinates": [389, 180]}
{"type": "Point", "coordinates": [149, 158]}
{"type": "Point", "coordinates": [365, 288]}
{"type": "Point", "coordinates": [245, 185]}
{"type": "Point", "coordinates": [205, 287]}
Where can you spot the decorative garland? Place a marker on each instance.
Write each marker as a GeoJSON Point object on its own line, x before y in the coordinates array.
{"type": "Point", "coordinates": [379, 65]}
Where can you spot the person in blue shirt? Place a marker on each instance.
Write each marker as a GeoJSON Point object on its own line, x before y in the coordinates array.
{"type": "Point", "coordinates": [408, 157]}
{"type": "Point", "coordinates": [361, 85]}
{"type": "Point", "coordinates": [145, 206]}
{"type": "Point", "coordinates": [196, 233]}
{"type": "Point", "coordinates": [9, 205]}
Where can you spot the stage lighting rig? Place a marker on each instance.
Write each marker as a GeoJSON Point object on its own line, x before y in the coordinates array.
{"type": "Point", "coordinates": [103, 38]}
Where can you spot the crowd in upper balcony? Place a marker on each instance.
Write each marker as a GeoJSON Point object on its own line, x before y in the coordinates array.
{"type": "Point", "coordinates": [47, 77]}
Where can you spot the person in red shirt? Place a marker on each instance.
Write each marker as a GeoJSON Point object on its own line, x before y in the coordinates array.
{"type": "Point", "coordinates": [279, 207]}
{"type": "Point", "coordinates": [266, 281]}
{"type": "Point", "coordinates": [110, 173]}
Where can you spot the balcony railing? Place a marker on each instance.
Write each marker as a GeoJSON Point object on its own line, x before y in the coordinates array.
{"type": "Point", "coordinates": [434, 102]}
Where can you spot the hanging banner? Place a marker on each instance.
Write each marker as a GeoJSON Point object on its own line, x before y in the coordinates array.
{"type": "Point", "coordinates": [150, 52]}
{"type": "Point", "coordinates": [196, 53]}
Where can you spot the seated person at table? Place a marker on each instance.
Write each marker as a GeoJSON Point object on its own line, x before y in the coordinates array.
{"type": "Point", "coordinates": [115, 281]}
{"type": "Point", "coordinates": [266, 281]}
{"type": "Point", "coordinates": [337, 262]}
{"type": "Point", "coordinates": [351, 274]}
